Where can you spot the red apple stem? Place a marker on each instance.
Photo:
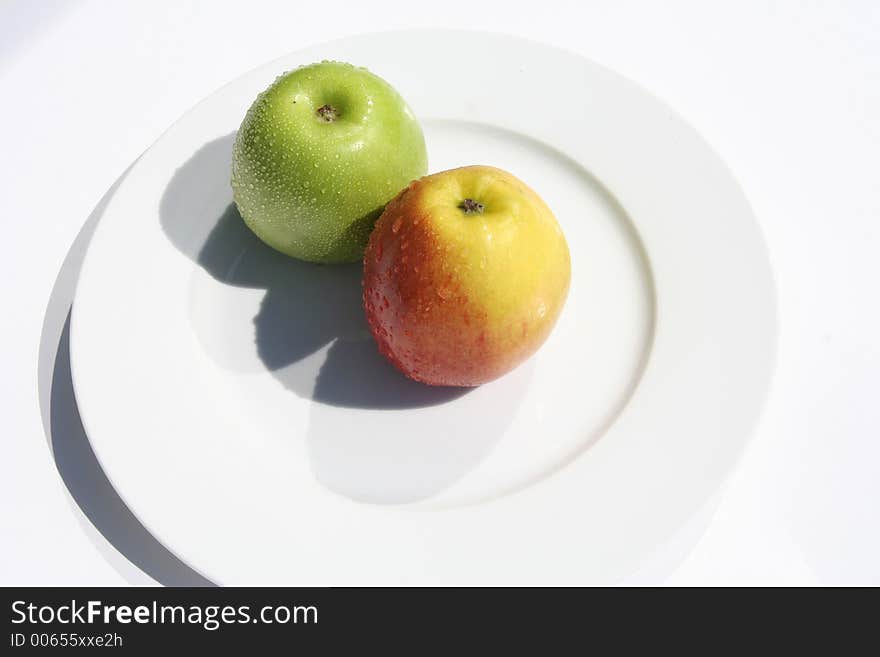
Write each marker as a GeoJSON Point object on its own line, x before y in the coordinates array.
{"type": "Point", "coordinates": [470, 206]}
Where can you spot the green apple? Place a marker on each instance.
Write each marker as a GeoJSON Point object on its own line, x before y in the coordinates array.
{"type": "Point", "coordinates": [317, 157]}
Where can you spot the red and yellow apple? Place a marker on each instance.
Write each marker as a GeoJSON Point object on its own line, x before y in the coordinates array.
{"type": "Point", "coordinates": [465, 274]}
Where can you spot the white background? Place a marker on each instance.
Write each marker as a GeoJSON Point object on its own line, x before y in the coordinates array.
{"type": "Point", "coordinates": [787, 92]}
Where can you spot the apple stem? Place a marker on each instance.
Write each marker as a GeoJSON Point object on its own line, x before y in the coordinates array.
{"type": "Point", "coordinates": [327, 113]}
{"type": "Point", "coordinates": [470, 206]}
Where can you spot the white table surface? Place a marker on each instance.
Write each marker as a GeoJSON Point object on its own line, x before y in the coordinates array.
{"type": "Point", "coordinates": [787, 92]}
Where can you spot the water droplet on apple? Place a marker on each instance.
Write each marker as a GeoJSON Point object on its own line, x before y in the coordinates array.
{"type": "Point", "coordinates": [395, 227]}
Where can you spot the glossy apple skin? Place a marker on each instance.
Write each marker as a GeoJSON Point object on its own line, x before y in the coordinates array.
{"type": "Point", "coordinates": [312, 185]}
{"type": "Point", "coordinates": [458, 299]}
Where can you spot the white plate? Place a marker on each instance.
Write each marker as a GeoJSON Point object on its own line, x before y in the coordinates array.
{"type": "Point", "coordinates": [238, 405]}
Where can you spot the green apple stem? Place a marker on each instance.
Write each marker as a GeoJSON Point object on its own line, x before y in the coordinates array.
{"type": "Point", "coordinates": [327, 113]}
{"type": "Point", "coordinates": [470, 206]}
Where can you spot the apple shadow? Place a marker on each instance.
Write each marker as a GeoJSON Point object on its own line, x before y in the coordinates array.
{"type": "Point", "coordinates": [306, 306]}
{"type": "Point", "coordinates": [404, 457]}
{"type": "Point", "coordinates": [421, 444]}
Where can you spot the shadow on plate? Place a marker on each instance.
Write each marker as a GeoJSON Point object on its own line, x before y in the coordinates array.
{"type": "Point", "coordinates": [384, 458]}
{"type": "Point", "coordinates": [306, 306]}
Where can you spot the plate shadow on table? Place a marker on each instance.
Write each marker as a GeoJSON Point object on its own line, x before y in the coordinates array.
{"type": "Point", "coordinates": [307, 308]}
{"type": "Point", "coordinates": [107, 518]}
